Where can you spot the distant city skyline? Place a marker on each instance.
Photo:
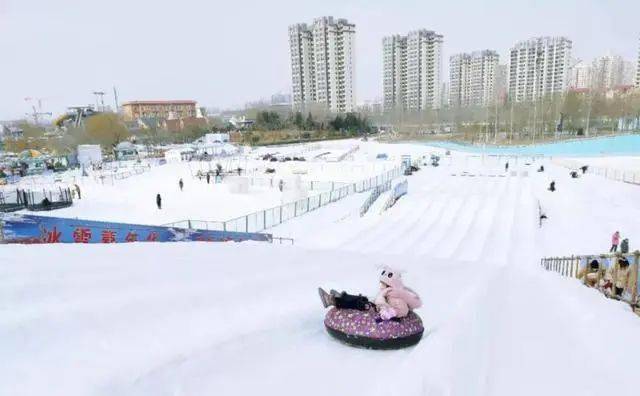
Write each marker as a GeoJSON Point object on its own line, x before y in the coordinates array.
{"type": "Point", "coordinates": [62, 51]}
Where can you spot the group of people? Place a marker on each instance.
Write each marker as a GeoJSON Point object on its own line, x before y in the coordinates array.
{"type": "Point", "coordinates": [612, 281]}
{"type": "Point", "coordinates": [615, 242]}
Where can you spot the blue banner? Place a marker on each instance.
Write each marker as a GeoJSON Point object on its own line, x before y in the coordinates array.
{"type": "Point", "coordinates": [19, 228]}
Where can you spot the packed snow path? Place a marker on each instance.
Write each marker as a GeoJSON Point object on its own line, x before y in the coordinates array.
{"type": "Point", "coordinates": [244, 319]}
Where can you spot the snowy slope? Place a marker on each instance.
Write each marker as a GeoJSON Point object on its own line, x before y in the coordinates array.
{"type": "Point", "coordinates": [244, 319]}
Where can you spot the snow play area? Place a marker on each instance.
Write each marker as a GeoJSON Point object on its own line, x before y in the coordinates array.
{"type": "Point", "coordinates": [199, 318]}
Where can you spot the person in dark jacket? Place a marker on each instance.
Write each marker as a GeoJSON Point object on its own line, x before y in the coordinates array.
{"type": "Point", "coordinates": [506, 167]}
{"type": "Point", "coordinates": [552, 186]}
{"type": "Point", "coordinates": [46, 204]}
{"type": "Point", "coordinates": [208, 178]}
{"type": "Point", "coordinates": [159, 201]}
{"type": "Point", "coordinates": [181, 184]}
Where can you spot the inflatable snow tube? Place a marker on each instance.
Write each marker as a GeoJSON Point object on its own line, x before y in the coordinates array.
{"type": "Point", "coordinates": [360, 328]}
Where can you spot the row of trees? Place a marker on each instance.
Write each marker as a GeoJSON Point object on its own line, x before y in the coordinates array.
{"type": "Point", "coordinates": [348, 123]}
{"type": "Point", "coordinates": [105, 129]}
{"type": "Point", "coordinates": [572, 113]}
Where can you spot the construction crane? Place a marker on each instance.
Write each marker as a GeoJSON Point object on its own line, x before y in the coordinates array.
{"type": "Point", "coordinates": [36, 112]}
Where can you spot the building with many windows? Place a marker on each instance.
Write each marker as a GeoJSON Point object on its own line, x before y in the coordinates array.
{"type": "Point", "coordinates": [473, 78]}
{"type": "Point", "coordinates": [539, 67]}
{"type": "Point", "coordinates": [323, 64]}
{"type": "Point", "coordinates": [394, 74]}
{"type": "Point", "coordinates": [607, 72]}
{"type": "Point", "coordinates": [580, 76]}
{"type": "Point", "coordinates": [638, 71]}
{"type": "Point", "coordinates": [412, 71]}
{"type": "Point", "coordinates": [158, 109]}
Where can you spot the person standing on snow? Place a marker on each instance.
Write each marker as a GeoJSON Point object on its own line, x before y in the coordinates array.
{"type": "Point", "coordinates": [159, 201]}
{"type": "Point", "coordinates": [621, 277]}
{"type": "Point", "coordinates": [181, 184]}
{"type": "Point", "coordinates": [615, 241]}
{"type": "Point", "coordinates": [208, 177]}
{"type": "Point", "coordinates": [591, 274]}
{"type": "Point", "coordinates": [506, 167]}
{"type": "Point", "coordinates": [394, 300]}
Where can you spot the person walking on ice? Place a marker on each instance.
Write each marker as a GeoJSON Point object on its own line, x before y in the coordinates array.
{"type": "Point", "coordinates": [181, 184]}
{"type": "Point", "coordinates": [615, 241]}
{"type": "Point", "coordinates": [159, 201]}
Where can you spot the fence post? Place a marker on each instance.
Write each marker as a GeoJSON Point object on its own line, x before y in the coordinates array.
{"type": "Point", "coordinates": [634, 292]}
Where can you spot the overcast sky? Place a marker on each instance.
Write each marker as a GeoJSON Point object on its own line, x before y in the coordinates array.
{"type": "Point", "coordinates": [225, 53]}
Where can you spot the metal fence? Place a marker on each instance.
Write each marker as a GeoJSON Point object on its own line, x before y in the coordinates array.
{"type": "Point", "coordinates": [399, 190]}
{"type": "Point", "coordinates": [374, 196]}
{"type": "Point", "coordinates": [36, 200]}
{"type": "Point", "coordinates": [264, 219]}
{"type": "Point", "coordinates": [110, 178]}
{"type": "Point", "coordinates": [310, 185]}
{"type": "Point", "coordinates": [605, 276]}
{"type": "Point", "coordinates": [621, 175]}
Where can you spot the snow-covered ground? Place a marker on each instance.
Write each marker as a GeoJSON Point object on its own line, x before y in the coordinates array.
{"type": "Point", "coordinates": [244, 319]}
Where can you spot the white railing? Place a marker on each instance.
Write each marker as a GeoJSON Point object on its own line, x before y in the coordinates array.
{"type": "Point", "coordinates": [374, 196]}
{"type": "Point", "coordinates": [264, 219]}
{"type": "Point", "coordinates": [621, 175]}
{"type": "Point", "coordinates": [399, 190]}
{"type": "Point", "coordinates": [109, 177]}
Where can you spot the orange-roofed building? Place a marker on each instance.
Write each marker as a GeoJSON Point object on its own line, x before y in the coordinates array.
{"type": "Point", "coordinates": [159, 109]}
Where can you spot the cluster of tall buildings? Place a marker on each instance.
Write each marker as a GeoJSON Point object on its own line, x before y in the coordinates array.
{"type": "Point", "coordinates": [323, 60]}
{"type": "Point", "coordinates": [604, 73]}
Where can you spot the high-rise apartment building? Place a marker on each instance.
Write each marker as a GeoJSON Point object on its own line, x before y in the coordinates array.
{"type": "Point", "coordinates": [638, 71]}
{"type": "Point", "coordinates": [394, 79]}
{"type": "Point", "coordinates": [629, 76]}
{"type": "Point", "coordinates": [412, 71]}
{"type": "Point", "coordinates": [473, 78]}
{"type": "Point", "coordinates": [323, 64]}
{"type": "Point", "coordinates": [580, 76]}
{"type": "Point", "coordinates": [608, 72]}
{"type": "Point", "coordinates": [539, 67]}
{"type": "Point", "coordinates": [502, 73]}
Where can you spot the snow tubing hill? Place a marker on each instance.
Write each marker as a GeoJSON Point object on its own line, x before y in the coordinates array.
{"type": "Point", "coordinates": [359, 328]}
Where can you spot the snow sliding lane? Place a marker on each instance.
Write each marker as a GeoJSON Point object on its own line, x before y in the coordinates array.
{"type": "Point", "coordinates": [244, 319]}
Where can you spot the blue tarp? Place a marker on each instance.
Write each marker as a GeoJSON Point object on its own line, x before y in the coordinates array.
{"type": "Point", "coordinates": [19, 228]}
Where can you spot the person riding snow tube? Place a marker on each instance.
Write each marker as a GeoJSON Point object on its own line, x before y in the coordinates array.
{"type": "Point", "coordinates": [386, 323]}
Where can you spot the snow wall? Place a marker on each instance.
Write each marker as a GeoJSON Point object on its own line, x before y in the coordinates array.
{"type": "Point", "coordinates": [17, 228]}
